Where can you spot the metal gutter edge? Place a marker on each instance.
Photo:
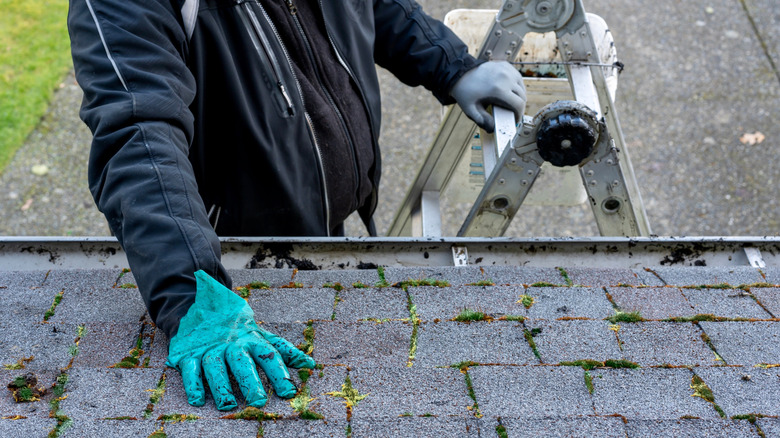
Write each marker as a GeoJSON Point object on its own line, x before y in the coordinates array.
{"type": "Point", "coordinates": [43, 253]}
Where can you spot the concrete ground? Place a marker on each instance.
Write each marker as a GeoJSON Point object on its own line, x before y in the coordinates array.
{"type": "Point", "coordinates": [699, 76]}
{"type": "Point", "coordinates": [558, 353]}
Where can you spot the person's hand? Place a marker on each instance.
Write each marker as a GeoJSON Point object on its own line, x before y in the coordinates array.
{"type": "Point", "coordinates": [218, 332]}
{"type": "Point", "coordinates": [491, 83]}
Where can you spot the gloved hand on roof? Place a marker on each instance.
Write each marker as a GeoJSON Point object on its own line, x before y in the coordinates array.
{"type": "Point", "coordinates": [218, 332]}
{"type": "Point", "coordinates": [495, 83]}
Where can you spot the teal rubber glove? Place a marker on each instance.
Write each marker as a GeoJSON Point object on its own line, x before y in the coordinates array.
{"type": "Point", "coordinates": [219, 331]}
{"type": "Point", "coordinates": [491, 83]}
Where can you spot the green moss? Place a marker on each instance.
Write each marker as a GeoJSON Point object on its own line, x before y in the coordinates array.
{"type": "Point", "coordinates": [350, 395]}
{"type": "Point", "coordinates": [423, 282]}
{"type": "Point", "coordinates": [700, 389]}
{"type": "Point", "coordinates": [565, 276]}
{"type": "Point", "coordinates": [155, 397]}
{"type": "Point", "coordinates": [252, 414]}
{"type": "Point", "coordinates": [620, 363]}
{"type": "Point", "coordinates": [57, 299]}
{"type": "Point", "coordinates": [501, 431]}
{"type": "Point", "coordinates": [529, 337]}
{"type": "Point", "coordinates": [415, 320]}
{"type": "Point", "coordinates": [697, 318]}
{"type": "Point", "coordinates": [131, 360]}
{"type": "Point", "coordinates": [380, 270]}
{"type": "Point", "coordinates": [20, 364]}
{"type": "Point", "coordinates": [259, 285]}
{"type": "Point", "coordinates": [125, 418]}
{"type": "Point", "coordinates": [177, 418]}
{"type": "Point", "coordinates": [293, 285]}
{"type": "Point", "coordinates": [336, 286]}
{"type": "Point", "coordinates": [243, 292]}
{"type": "Point", "coordinates": [710, 286]}
{"type": "Point", "coordinates": [308, 338]}
{"type": "Point", "coordinates": [474, 408]}
{"type": "Point", "coordinates": [128, 286]}
{"type": "Point", "coordinates": [544, 284]}
{"type": "Point", "coordinates": [304, 375]}
{"type": "Point", "coordinates": [625, 317]}
{"type": "Point", "coordinates": [300, 404]}
{"type": "Point", "coordinates": [465, 365]}
{"type": "Point", "coordinates": [516, 318]}
{"type": "Point", "coordinates": [406, 414]}
{"type": "Point", "coordinates": [589, 382]}
{"type": "Point", "coordinates": [468, 315]}
{"type": "Point", "coordinates": [487, 282]}
{"type": "Point", "coordinates": [359, 285]}
{"type": "Point", "coordinates": [526, 300]}
{"type": "Point", "coordinates": [586, 364]}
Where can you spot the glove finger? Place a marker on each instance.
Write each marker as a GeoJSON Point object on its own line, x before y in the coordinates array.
{"type": "Point", "coordinates": [485, 119]}
{"type": "Point", "coordinates": [245, 371]}
{"type": "Point", "coordinates": [291, 355]}
{"type": "Point", "coordinates": [217, 375]}
{"type": "Point", "coordinates": [271, 362]}
{"type": "Point", "coordinates": [193, 381]}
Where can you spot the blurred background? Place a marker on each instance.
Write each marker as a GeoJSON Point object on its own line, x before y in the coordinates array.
{"type": "Point", "coordinates": [698, 102]}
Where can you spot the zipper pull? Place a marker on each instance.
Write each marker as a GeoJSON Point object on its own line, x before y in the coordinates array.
{"type": "Point", "coordinates": [290, 108]}
{"type": "Point", "coordinates": [291, 6]}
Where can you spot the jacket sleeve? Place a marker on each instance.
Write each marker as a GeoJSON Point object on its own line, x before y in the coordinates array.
{"type": "Point", "coordinates": [129, 60]}
{"type": "Point", "coordinates": [418, 49]}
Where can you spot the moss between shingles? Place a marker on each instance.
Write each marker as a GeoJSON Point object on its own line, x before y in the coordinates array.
{"type": "Point", "coordinates": [484, 283]}
{"type": "Point", "coordinates": [469, 315]}
{"type": "Point", "coordinates": [464, 369]}
{"type": "Point", "coordinates": [710, 286]}
{"type": "Point", "coordinates": [699, 317]}
{"type": "Point", "coordinates": [566, 278]}
{"type": "Point", "coordinates": [415, 320]}
{"type": "Point", "coordinates": [350, 395]}
{"type": "Point", "coordinates": [308, 339]}
{"type": "Point", "coordinates": [20, 364]}
{"type": "Point", "coordinates": [380, 270]}
{"type": "Point", "coordinates": [501, 431]}
{"type": "Point", "coordinates": [526, 300]}
{"type": "Point", "coordinates": [700, 389]}
{"type": "Point", "coordinates": [544, 284]}
{"type": "Point", "coordinates": [57, 299]}
{"type": "Point", "coordinates": [338, 287]}
{"type": "Point", "coordinates": [589, 364]}
{"type": "Point", "coordinates": [58, 390]}
{"type": "Point", "coordinates": [300, 404]}
{"type": "Point", "coordinates": [251, 413]}
{"type": "Point", "coordinates": [422, 282]}
{"type": "Point", "coordinates": [177, 418]}
{"type": "Point", "coordinates": [155, 397]}
{"type": "Point", "coordinates": [529, 337]}
{"type": "Point", "coordinates": [625, 317]}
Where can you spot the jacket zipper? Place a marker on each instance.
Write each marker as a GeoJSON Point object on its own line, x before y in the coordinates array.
{"type": "Point", "coordinates": [310, 52]}
{"type": "Point", "coordinates": [263, 48]}
{"type": "Point", "coordinates": [343, 63]}
{"type": "Point", "coordinates": [318, 153]}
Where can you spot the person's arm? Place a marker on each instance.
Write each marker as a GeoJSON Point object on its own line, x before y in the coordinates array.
{"type": "Point", "coordinates": [129, 60]}
{"type": "Point", "coordinates": [420, 50]}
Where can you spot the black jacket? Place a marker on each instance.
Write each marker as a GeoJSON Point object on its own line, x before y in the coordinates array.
{"type": "Point", "coordinates": [196, 114]}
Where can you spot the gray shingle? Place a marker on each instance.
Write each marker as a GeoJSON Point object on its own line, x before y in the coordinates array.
{"type": "Point", "coordinates": [696, 276]}
{"type": "Point", "coordinates": [356, 304]}
{"type": "Point", "coordinates": [740, 391]}
{"type": "Point", "coordinates": [770, 426]}
{"type": "Point", "coordinates": [27, 427]}
{"type": "Point", "coordinates": [307, 428]}
{"type": "Point", "coordinates": [731, 303]}
{"type": "Point", "coordinates": [415, 427]}
{"type": "Point", "coordinates": [564, 302]}
{"type": "Point", "coordinates": [199, 428]}
{"type": "Point", "coordinates": [446, 303]}
{"type": "Point", "coordinates": [27, 306]}
{"type": "Point", "coordinates": [392, 392]}
{"type": "Point", "coordinates": [21, 279]}
{"type": "Point", "coordinates": [95, 393]}
{"type": "Point", "coordinates": [611, 277]}
{"type": "Point", "coordinates": [574, 340]}
{"type": "Point", "coordinates": [647, 393]}
{"type": "Point", "coordinates": [564, 427]}
{"type": "Point", "coordinates": [106, 344]}
{"type": "Point", "coordinates": [112, 428]}
{"type": "Point", "coordinates": [530, 392]}
{"type": "Point", "coordinates": [447, 343]}
{"type": "Point", "coordinates": [745, 343]}
{"type": "Point", "coordinates": [48, 343]}
{"type": "Point", "coordinates": [657, 343]}
{"type": "Point", "coordinates": [292, 305]}
{"type": "Point", "coordinates": [651, 303]}
{"type": "Point", "coordinates": [81, 279]}
{"type": "Point", "coordinates": [769, 298]}
{"type": "Point", "coordinates": [690, 428]}
{"type": "Point", "coordinates": [363, 343]}
{"type": "Point", "coordinates": [111, 305]}
{"type": "Point", "coordinates": [772, 274]}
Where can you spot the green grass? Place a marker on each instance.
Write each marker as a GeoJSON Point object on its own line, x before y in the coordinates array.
{"type": "Point", "coordinates": [34, 57]}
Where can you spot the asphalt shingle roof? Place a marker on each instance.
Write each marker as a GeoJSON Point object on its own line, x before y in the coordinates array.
{"type": "Point", "coordinates": [536, 367]}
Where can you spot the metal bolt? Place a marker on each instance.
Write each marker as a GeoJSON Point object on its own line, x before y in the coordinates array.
{"type": "Point", "coordinates": [568, 53]}
{"type": "Point", "coordinates": [530, 173]}
{"type": "Point", "coordinates": [513, 44]}
{"type": "Point", "coordinates": [489, 53]}
{"type": "Point", "coordinates": [502, 181]}
{"type": "Point", "coordinates": [513, 161]}
{"type": "Point", "coordinates": [594, 183]}
{"type": "Point", "coordinates": [565, 44]}
{"type": "Point", "coordinates": [589, 54]}
{"type": "Point", "coordinates": [508, 53]}
{"type": "Point", "coordinates": [524, 182]}
{"type": "Point", "coordinates": [610, 162]}
{"type": "Point", "coordinates": [615, 183]}
{"type": "Point", "coordinates": [589, 173]}
{"type": "Point", "coordinates": [498, 33]}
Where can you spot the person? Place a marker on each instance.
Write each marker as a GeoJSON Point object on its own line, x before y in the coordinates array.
{"type": "Point", "coordinates": [238, 117]}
